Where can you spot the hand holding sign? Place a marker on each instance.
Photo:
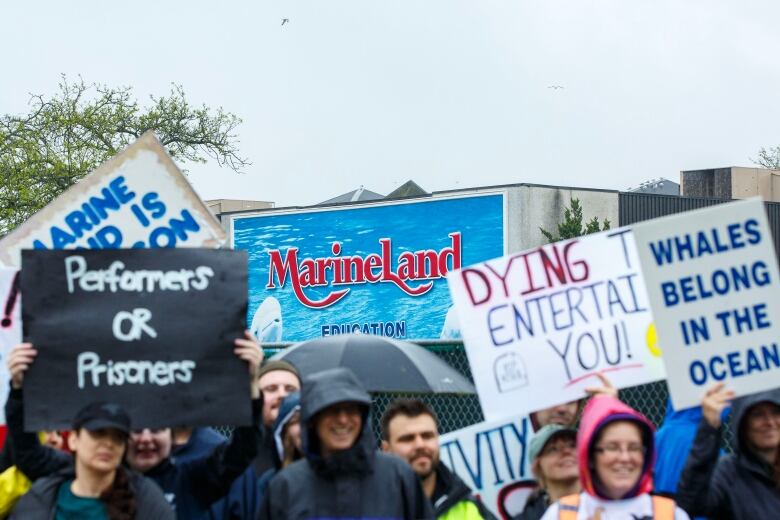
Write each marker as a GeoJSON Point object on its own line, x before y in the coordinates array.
{"type": "Point", "coordinates": [23, 355]}
{"type": "Point", "coordinates": [250, 351]}
{"type": "Point", "coordinates": [606, 388]}
{"type": "Point", "coordinates": [19, 360]}
{"type": "Point", "coordinates": [715, 401]}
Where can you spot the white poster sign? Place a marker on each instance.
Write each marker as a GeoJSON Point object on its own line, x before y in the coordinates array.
{"type": "Point", "coordinates": [539, 325]}
{"type": "Point", "coordinates": [10, 326]}
{"type": "Point", "coordinates": [492, 459]}
{"type": "Point", "coordinates": [712, 280]}
{"type": "Point", "coordinates": [139, 198]}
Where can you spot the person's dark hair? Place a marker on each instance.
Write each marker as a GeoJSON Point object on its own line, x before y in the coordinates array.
{"type": "Point", "coordinates": [291, 451]}
{"type": "Point", "coordinates": [119, 498]}
{"type": "Point", "coordinates": [409, 408]}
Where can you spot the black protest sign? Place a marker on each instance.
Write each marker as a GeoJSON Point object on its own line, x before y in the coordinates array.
{"type": "Point", "coordinates": [150, 329]}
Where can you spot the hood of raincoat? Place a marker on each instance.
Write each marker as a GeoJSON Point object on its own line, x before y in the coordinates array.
{"type": "Point", "coordinates": [290, 405]}
{"type": "Point", "coordinates": [324, 389]}
{"type": "Point", "coordinates": [599, 412]}
{"type": "Point", "coordinates": [739, 409]}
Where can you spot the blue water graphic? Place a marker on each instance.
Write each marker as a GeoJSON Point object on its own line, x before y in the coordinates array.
{"type": "Point", "coordinates": [412, 227]}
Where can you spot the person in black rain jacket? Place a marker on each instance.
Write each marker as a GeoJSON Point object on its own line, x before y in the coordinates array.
{"type": "Point", "coordinates": [342, 475]}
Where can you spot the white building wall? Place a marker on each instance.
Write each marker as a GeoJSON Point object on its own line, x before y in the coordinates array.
{"type": "Point", "coordinates": [544, 207]}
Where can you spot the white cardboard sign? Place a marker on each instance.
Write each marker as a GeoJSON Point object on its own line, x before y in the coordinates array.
{"type": "Point", "coordinates": [10, 326]}
{"type": "Point", "coordinates": [139, 198]}
{"type": "Point", "coordinates": [712, 279]}
{"type": "Point", "coordinates": [492, 459]}
{"type": "Point", "coordinates": [538, 325]}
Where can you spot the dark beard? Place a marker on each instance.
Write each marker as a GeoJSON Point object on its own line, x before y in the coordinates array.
{"type": "Point", "coordinates": [434, 465]}
{"type": "Point", "coordinates": [429, 473]}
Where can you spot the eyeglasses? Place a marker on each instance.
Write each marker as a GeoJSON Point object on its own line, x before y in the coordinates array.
{"type": "Point", "coordinates": [614, 450]}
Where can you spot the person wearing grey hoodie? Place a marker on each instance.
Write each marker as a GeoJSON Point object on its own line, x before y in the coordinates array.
{"type": "Point", "coordinates": [286, 441]}
{"type": "Point", "coordinates": [342, 475]}
{"type": "Point", "coordinates": [743, 485]}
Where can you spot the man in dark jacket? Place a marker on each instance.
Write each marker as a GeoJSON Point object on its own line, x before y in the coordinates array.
{"type": "Point", "coordinates": [243, 499]}
{"type": "Point", "coordinates": [190, 487]}
{"type": "Point", "coordinates": [410, 430]}
{"type": "Point", "coordinates": [343, 475]}
{"type": "Point", "coordinates": [743, 485]}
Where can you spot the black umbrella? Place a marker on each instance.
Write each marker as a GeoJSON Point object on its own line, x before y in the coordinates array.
{"type": "Point", "coordinates": [382, 364]}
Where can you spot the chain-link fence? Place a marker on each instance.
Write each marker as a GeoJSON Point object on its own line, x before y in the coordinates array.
{"type": "Point", "coordinates": [459, 411]}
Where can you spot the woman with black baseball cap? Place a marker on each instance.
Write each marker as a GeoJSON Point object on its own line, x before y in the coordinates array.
{"type": "Point", "coordinates": [96, 486]}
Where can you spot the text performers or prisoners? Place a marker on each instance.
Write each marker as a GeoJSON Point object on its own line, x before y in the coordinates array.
{"type": "Point", "coordinates": [117, 278]}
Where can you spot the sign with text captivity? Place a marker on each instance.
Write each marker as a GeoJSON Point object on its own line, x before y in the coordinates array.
{"type": "Point", "coordinates": [150, 330]}
{"type": "Point", "coordinates": [492, 459]}
{"type": "Point", "coordinates": [137, 199]}
{"type": "Point", "coordinates": [712, 280]}
{"type": "Point", "coordinates": [538, 325]}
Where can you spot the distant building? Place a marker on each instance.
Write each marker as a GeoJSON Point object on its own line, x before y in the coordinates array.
{"type": "Point", "coordinates": [732, 183]}
{"type": "Point", "coordinates": [221, 206]}
{"type": "Point", "coordinates": [659, 186]}
{"type": "Point", "coordinates": [407, 189]}
{"type": "Point", "coordinates": [359, 195]}
{"type": "Point", "coordinates": [531, 206]}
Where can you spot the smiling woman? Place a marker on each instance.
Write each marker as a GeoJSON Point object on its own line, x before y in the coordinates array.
{"type": "Point", "coordinates": [553, 456]}
{"type": "Point", "coordinates": [619, 458]}
{"type": "Point", "coordinates": [746, 483]}
{"type": "Point", "coordinates": [615, 451]}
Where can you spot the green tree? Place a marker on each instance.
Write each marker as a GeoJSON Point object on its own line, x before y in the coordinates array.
{"type": "Point", "coordinates": [768, 158]}
{"type": "Point", "coordinates": [67, 135]}
{"type": "Point", "coordinates": [572, 224]}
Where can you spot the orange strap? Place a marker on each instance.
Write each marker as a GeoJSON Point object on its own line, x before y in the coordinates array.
{"type": "Point", "coordinates": [568, 506]}
{"type": "Point", "coordinates": [663, 508]}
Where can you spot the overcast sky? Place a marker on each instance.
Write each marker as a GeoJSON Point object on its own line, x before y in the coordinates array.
{"type": "Point", "coordinates": [449, 93]}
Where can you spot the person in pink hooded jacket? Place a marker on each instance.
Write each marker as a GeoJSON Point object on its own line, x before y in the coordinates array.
{"type": "Point", "coordinates": [615, 453]}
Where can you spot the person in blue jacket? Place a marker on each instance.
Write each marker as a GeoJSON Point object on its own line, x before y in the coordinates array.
{"type": "Point", "coordinates": [673, 442]}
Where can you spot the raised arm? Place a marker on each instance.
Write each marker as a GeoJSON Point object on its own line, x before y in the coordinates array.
{"type": "Point", "coordinates": [29, 455]}
{"type": "Point", "coordinates": [214, 474]}
{"type": "Point", "coordinates": [700, 491]}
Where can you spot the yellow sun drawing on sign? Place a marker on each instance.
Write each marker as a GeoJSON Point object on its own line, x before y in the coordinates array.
{"type": "Point", "coordinates": [652, 340]}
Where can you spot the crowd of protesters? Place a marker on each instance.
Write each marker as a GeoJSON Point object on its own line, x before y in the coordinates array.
{"type": "Point", "coordinates": [311, 453]}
